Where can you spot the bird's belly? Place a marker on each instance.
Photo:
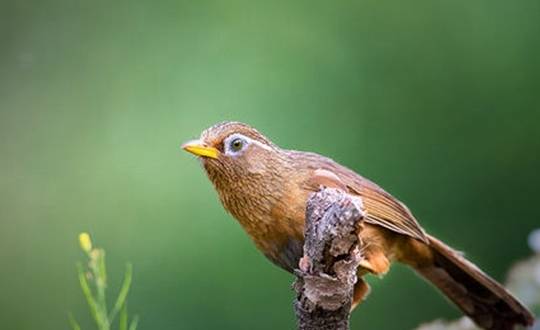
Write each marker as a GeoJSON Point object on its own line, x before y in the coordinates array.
{"type": "Point", "coordinates": [286, 255]}
{"type": "Point", "coordinates": [284, 242]}
{"type": "Point", "coordinates": [380, 247]}
{"type": "Point", "coordinates": [278, 232]}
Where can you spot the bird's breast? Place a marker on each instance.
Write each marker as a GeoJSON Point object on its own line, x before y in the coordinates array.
{"type": "Point", "coordinates": [273, 218]}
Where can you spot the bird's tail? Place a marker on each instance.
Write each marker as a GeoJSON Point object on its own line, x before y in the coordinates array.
{"type": "Point", "coordinates": [480, 297]}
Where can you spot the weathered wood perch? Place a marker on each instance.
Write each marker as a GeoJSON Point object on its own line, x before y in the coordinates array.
{"type": "Point", "coordinates": [332, 252]}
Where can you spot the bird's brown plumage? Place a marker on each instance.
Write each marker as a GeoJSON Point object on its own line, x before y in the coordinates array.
{"type": "Point", "coordinates": [266, 188]}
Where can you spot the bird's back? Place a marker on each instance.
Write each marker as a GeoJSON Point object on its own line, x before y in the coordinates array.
{"type": "Point", "coordinates": [382, 208]}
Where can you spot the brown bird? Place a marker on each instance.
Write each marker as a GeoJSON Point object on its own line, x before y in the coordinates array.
{"type": "Point", "coordinates": [266, 189]}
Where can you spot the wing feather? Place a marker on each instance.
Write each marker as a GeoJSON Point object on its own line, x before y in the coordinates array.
{"type": "Point", "coordinates": [382, 208]}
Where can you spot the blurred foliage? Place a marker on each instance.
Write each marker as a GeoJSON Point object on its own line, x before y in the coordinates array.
{"type": "Point", "coordinates": [436, 101]}
{"type": "Point", "coordinates": [93, 282]}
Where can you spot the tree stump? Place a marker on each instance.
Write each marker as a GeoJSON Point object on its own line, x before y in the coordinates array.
{"type": "Point", "coordinates": [332, 252]}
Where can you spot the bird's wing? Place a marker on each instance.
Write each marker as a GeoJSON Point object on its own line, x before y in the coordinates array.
{"type": "Point", "coordinates": [386, 211]}
{"type": "Point", "coordinates": [382, 208]}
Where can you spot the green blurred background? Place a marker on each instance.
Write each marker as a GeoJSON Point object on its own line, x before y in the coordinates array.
{"type": "Point", "coordinates": [436, 101]}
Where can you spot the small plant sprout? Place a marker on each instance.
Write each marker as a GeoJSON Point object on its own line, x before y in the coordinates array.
{"type": "Point", "coordinates": [93, 281]}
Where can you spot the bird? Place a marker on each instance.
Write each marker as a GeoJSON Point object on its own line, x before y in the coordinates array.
{"type": "Point", "coordinates": [266, 189]}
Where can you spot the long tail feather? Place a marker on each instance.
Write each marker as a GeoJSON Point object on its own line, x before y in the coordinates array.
{"type": "Point", "coordinates": [480, 297]}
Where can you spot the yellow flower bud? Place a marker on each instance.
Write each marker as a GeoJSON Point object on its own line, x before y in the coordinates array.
{"type": "Point", "coordinates": [85, 242]}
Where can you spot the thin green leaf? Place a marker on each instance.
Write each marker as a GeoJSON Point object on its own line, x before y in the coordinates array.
{"type": "Point", "coordinates": [88, 295]}
{"type": "Point", "coordinates": [124, 290]}
{"type": "Point", "coordinates": [102, 268]}
{"type": "Point", "coordinates": [73, 322]}
{"type": "Point", "coordinates": [123, 319]}
{"type": "Point", "coordinates": [134, 323]}
{"type": "Point", "coordinates": [101, 281]}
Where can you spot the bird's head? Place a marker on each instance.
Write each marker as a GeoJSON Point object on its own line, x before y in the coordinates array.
{"type": "Point", "coordinates": [254, 179]}
{"type": "Point", "coordinates": [234, 153]}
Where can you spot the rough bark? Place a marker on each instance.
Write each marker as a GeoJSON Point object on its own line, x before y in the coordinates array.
{"type": "Point", "coordinates": [332, 252]}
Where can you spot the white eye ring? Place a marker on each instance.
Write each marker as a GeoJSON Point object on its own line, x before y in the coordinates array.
{"type": "Point", "coordinates": [235, 144]}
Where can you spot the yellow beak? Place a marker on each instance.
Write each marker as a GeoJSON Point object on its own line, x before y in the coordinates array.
{"type": "Point", "coordinates": [198, 148]}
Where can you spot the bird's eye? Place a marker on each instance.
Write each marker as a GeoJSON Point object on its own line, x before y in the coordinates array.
{"type": "Point", "coordinates": [236, 145]}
